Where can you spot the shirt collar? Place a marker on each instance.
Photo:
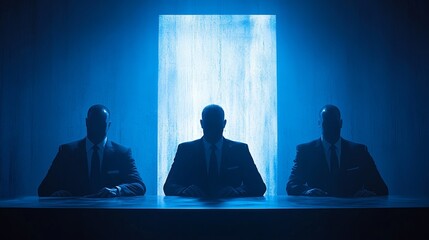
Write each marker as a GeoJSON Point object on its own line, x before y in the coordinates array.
{"type": "Point", "coordinates": [101, 145]}
{"type": "Point", "coordinates": [208, 145]}
{"type": "Point", "coordinates": [327, 145]}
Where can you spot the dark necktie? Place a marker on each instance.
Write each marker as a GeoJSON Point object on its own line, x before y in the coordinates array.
{"type": "Point", "coordinates": [95, 170]}
{"type": "Point", "coordinates": [335, 181]}
{"type": "Point", "coordinates": [334, 160]}
{"type": "Point", "coordinates": [213, 169]}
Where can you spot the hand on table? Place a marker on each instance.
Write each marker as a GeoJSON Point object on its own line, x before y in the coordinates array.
{"type": "Point", "coordinates": [105, 193]}
{"type": "Point", "coordinates": [227, 192]}
{"type": "Point", "coordinates": [61, 193]}
{"type": "Point", "coordinates": [193, 191]}
{"type": "Point", "coordinates": [315, 192]}
{"type": "Point", "coordinates": [364, 193]}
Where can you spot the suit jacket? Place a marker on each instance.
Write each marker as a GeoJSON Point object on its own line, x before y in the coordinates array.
{"type": "Point", "coordinates": [357, 171]}
{"type": "Point", "coordinates": [237, 169]}
{"type": "Point", "coordinates": [69, 171]}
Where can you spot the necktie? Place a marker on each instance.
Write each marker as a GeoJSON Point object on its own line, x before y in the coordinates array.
{"type": "Point", "coordinates": [95, 170]}
{"type": "Point", "coordinates": [334, 160]}
{"type": "Point", "coordinates": [213, 169]}
{"type": "Point", "coordinates": [335, 181]}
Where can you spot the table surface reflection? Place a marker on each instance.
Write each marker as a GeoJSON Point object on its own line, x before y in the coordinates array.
{"type": "Point", "coordinates": [169, 202]}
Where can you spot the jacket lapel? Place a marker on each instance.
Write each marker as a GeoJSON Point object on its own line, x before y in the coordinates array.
{"type": "Point", "coordinates": [345, 151]}
{"type": "Point", "coordinates": [107, 161]}
{"type": "Point", "coordinates": [83, 161]}
{"type": "Point", "coordinates": [201, 163]}
{"type": "Point", "coordinates": [225, 156]}
{"type": "Point", "coordinates": [321, 156]}
{"type": "Point", "coordinates": [83, 165]}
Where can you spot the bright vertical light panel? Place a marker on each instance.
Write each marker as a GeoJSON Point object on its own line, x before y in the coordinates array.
{"type": "Point", "coordinates": [229, 60]}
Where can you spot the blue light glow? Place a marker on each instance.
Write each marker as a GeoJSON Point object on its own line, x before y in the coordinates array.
{"type": "Point", "coordinates": [229, 60]}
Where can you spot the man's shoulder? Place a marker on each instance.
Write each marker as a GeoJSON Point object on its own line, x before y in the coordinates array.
{"type": "Point", "coordinates": [353, 145]}
{"type": "Point", "coordinates": [73, 145]}
{"type": "Point", "coordinates": [309, 145]}
{"type": "Point", "coordinates": [117, 147]}
{"type": "Point", "coordinates": [190, 146]}
{"type": "Point", "coordinates": [198, 142]}
{"type": "Point", "coordinates": [191, 143]}
{"type": "Point", "coordinates": [231, 144]}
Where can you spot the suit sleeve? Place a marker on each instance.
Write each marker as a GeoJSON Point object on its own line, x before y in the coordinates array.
{"type": "Point", "coordinates": [132, 184]}
{"type": "Point", "coordinates": [372, 178]}
{"type": "Point", "coordinates": [253, 185]}
{"type": "Point", "coordinates": [53, 180]}
{"type": "Point", "coordinates": [175, 184]}
{"type": "Point", "coordinates": [297, 183]}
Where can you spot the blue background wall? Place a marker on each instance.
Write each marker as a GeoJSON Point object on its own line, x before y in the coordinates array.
{"type": "Point", "coordinates": [57, 58]}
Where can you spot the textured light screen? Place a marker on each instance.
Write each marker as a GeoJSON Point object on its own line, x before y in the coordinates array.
{"type": "Point", "coordinates": [229, 60]}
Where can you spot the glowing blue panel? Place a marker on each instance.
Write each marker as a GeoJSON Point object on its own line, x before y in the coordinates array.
{"type": "Point", "coordinates": [228, 60]}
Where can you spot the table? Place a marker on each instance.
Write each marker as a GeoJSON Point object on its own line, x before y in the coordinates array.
{"type": "Point", "coordinates": [159, 217]}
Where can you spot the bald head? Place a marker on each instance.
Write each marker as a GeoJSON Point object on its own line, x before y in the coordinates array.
{"type": "Point", "coordinates": [97, 123]}
{"type": "Point", "coordinates": [331, 123]}
{"type": "Point", "coordinates": [213, 111]}
{"type": "Point", "coordinates": [213, 122]}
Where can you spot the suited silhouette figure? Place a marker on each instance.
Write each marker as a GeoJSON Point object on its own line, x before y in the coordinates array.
{"type": "Point", "coordinates": [213, 166]}
{"type": "Point", "coordinates": [334, 166]}
{"type": "Point", "coordinates": [93, 166]}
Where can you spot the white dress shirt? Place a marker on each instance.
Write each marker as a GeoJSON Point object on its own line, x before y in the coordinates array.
{"type": "Point", "coordinates": [89, 150]}
{"type": "Point", "coordinates": [327, 149]}
{"type": "Point", "coordinates": [208, 151]}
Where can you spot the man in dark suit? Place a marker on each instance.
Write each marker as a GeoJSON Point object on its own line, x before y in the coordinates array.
{"type": "Point", "coordinates": [333, 166]}
{"type": "Point", "coordinates": [213, 166]}
{"type": "Point", "coordinates": [93, 166]}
